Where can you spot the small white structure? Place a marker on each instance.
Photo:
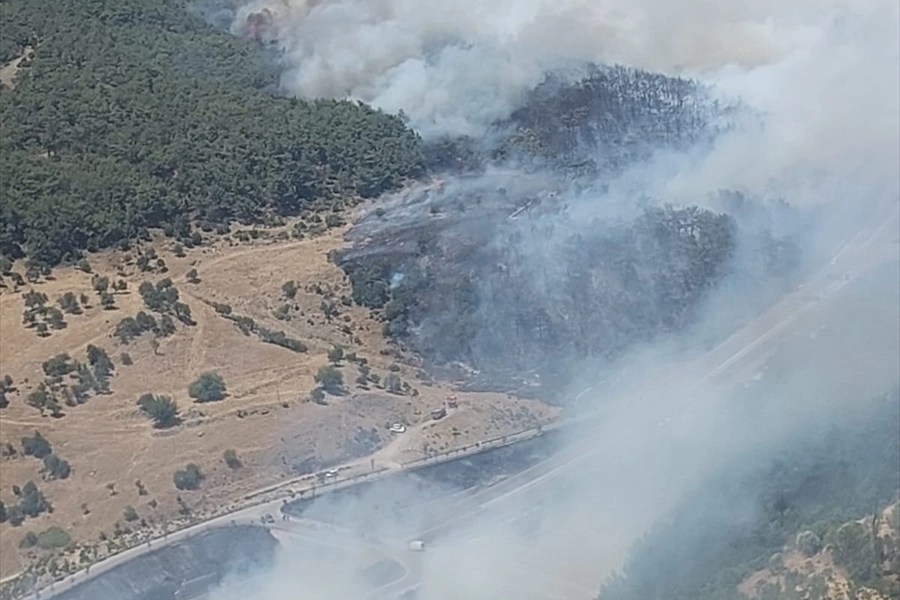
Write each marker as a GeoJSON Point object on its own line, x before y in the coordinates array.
{"type": "Point", "coordinates": [417, 546]}
{"type": "Point", "coordinates": [398, 428]}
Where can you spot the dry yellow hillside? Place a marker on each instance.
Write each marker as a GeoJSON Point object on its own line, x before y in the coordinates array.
{"type": "Point", "coordinates": [267, 417]}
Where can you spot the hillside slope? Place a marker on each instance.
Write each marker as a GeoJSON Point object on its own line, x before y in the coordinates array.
{"type": "Point", "coordinates": [164, 121]}
{"type": "Point", "coordinates": [267, 418]}
{"type": "Point", "coordinates": [814, 519]}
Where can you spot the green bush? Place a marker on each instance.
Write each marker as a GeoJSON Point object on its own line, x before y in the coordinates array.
{"type": "Point", "coordinates": [289, 288]}
{"type": "Point", "coordinates": [209, 387]}
{"type": "Point", "coordinates": [53, 538]}
{"type": "Point", "coordinates": [231, 459]}
{"type": "Point", "coordinates": [188, 478]}
{"type": "Point", "coordinates": [330, 378]}
{"type": "Point", "coordinates": [59, 365]}
{"type": "Point", "coordinates": [56, 467]}
{"type": "Point", "coordinates": [31, 501]}
{"type": "Point", "coordinates": [336, 354]}
{"type": "Point", "coordinates": [68, 302]}
{"type": "Point", "coordinates": [36, 445]}
{"type": "Point", "coordinates": [393, 383]}
{"type": "Point", "coordinates": [162, 409]}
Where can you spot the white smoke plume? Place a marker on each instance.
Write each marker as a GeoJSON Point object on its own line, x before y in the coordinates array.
{"type": "Point", "coordinates": [824, 74]}
{"type": "Point", "coordinates": [822, 81]}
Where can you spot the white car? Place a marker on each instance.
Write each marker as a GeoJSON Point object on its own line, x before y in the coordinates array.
{"type": "Point", "coordinates": [398, 428]}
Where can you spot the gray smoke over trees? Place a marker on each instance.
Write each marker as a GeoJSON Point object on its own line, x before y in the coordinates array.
{"type": "Point", "coordinates": [581, 215]}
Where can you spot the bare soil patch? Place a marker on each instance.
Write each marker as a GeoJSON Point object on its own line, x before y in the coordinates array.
{"type": "Point", "coordinates": [9, 70]}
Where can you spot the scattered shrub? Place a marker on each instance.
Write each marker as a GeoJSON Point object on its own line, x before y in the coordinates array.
{"type": "Point", "coordinates": [53, 538]}
{"type": "Point", "coordinates": [130, 514]}
{"type": "Point", "coordinates": [392, 383]}
{"type": "Point", "coordinates": [209, 387]}
{"type": "Point", "coordinates": [336, 354]}
{"type": "Point", "coordinates": [162, 409]}
{"type": "Point", "coordinates": [56, 467]}
{"type": "Point", "coordinates": [37, 446]}
{"type": "Point", "coordinates": [68, 302]}
{"type": "Point", "coordinates": [289, 288]}
{"type": "Point", "coordinates": [188, 478]}
{"type": "Point", "coordinates": [330, 378]}
{"type": "Point", "coordinates": [231, 459]}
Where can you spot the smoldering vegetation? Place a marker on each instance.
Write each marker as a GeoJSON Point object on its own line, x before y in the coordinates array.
{"type": "Point", "coordinates": [183, 570]}
{"type": "Point", "coordinates": [552, 248]}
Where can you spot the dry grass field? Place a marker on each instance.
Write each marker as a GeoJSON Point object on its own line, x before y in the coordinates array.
{"type": "Point", "coordinates": [267, 418]}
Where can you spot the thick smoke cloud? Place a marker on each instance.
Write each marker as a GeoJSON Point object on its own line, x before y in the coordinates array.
{"type": "Point", "coordinates": [820, 82]}
{"type": "Point", "coordinates": [823, 74]}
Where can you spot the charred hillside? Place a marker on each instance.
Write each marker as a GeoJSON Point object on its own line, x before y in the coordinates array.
{"type": "Point", "coordinates": [511, 270]}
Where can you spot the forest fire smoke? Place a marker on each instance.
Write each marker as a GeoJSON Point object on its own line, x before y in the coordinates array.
{"type": "Point", "coordinates": [818, 129]}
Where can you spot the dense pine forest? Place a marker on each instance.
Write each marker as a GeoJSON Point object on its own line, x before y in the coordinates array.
{"type": "Point", "coordinates": [132, 115]}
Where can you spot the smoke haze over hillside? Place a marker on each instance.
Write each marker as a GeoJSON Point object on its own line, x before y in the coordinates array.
{"type": "Point", "coordinates": [823, 74]}
{"type": "Point", "coordinates": [819, 88]}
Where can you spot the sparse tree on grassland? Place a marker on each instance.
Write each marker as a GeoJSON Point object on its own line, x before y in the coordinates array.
{"type": "Point", "coordinates": [330, 378]}
{"type": "Point", "coordinates": [107, 300]}
{"type": "Point", "coordinates": [188, 478]}
{"type": "Point", "coordinates": [32, 500]}
{"type": "Point", "coordinates": [209, 387]}
{"type": "Point", "coordinates": [36, 445]}
{"type": "Point", "coordinates": [289, 288]}
{"type": "Point", "coordinates": [56, 467]}
{"type": "Point", "coordinates": [100, 283]}
{"type": "Point", "coordinates": [392, 383]}
{"type": "Point", "coordinates": [99, 359]}
{"type": "Point", "coordinates": [55, 318]}
{"type": "Point", "coordinates": [231, 459]}
{"type": "Point", "coordinates": [83, 265]}
{"type": "Point", "coordinates": [69, 303]}
{"type": "Point", "coordinates": [162, 409]}
{"type": "Point", "coordinates": [318, 395]}
{"type": "Point", "coordinates": [336, 354]}
{"type": "Point", "coordinates": [34, 299]}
